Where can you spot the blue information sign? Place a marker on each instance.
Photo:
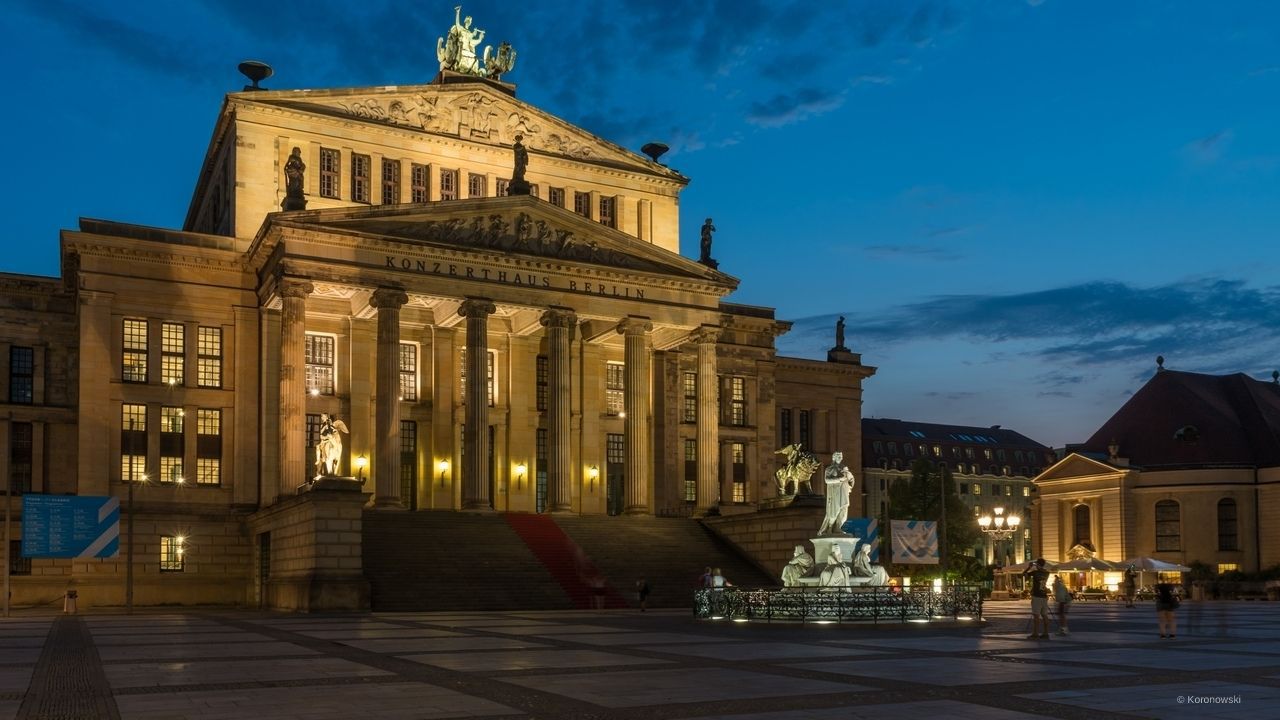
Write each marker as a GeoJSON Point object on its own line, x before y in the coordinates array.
{"type": "Point", "coordinates": [69, 526]}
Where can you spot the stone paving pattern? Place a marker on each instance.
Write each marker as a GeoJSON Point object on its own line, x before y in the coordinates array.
{"type": "Point", "coordinates": [580, 665]}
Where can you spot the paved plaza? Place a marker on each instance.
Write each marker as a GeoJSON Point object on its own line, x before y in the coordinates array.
{"type": "Point", "coordinates": [1225, 662]}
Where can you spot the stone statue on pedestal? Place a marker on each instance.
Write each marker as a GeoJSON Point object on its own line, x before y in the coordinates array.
{"type": "Point", "coordinates": [840, 335]}
{"type": "Point", "coordinates": [329, 449]}
{"type": "Point", "coordinates": [793, 478]}
{"type": "Point", "coordinates": [862, 568]}
{"type": "Point", "coordinates": [518, 185]}
{"type": "Point", "coordinates": [457, 50]}
{"type": "Point", "coordinates": [836, 573]}
{"type": "Point", "coordinates": [294, 172]}
{"type": "Point", "coordinates": [839, 482]}
{"type": "Point", "coordinates": [705, 256]}
{"type": "Point", "coordinates": [800, 565]}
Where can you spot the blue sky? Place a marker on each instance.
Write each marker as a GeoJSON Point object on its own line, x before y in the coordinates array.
{"type": "Point", "coordinates": [1017, 205]}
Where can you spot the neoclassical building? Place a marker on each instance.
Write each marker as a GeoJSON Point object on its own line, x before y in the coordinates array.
{"type": "Point", "coordinates": [486, 350]}
{"type": "Point", "coordinates": [1186, 471]}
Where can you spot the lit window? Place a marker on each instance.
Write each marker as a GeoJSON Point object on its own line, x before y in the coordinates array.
{"type": "Point", "coordinates": [541, 372]}
{"type": "Point", "coordinates": [448, 184]}
{"type": "Point", "coordinates": [172, 353]}
{"type": "Point", "coordinates": [462, 376]}
{"type": "Point", "coordinates": [737, 401]}
{"type": "Point", "coordinates": [690, 470]}
{"type": "Point", "coordinates": [738, 461]}
{"type": "Point", "coordinates": [691, 397]}
{"type": "Point", "coordinates": [209, 357]}
{"type": "Point", "coordinates": [134, 366]}
{"type": "Point", "coordinates": [330, 164]}
{"type": "Point", "coordinates": [172, 551]}
{"type": "Point", "coordinates": [409, 464]}
{"type": "Point", "coordinates": [1228, 567]}
{"type": "Point", "coordinates": [977, 489]}
{"type": "Point", "coordinates": [937, 451]}
{"type": "Point", "coordinates": [390, 182]}
{"type": "Point", "coordinates": [22, 369]}
{"type": "Point", "coordinates": [133, 442]}
{"type": "Point", "coordinates": [208, 447]}
{"type": "Point", "coordinates": [476, 185]}
{"type": "Point", "coordinates": [408, 372]}
{"type": "Point", "coordinates": [1026, 491]}
{"type": "Point", "coordinates": [319, 352]}
{"type": "Point", "coordinates": [360, 167]}
{"type": "Point", "coordinates": [608, 212]}
{"type": "Point", "coordinates": [171, 444]}
{"type": "Point", "coordinates": [419, 183]}
{"type": "Point", "coordinates": [615, 388]}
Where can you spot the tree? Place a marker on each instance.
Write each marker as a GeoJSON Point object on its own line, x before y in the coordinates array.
{"type": "Point", "coordinates": [921, 497]}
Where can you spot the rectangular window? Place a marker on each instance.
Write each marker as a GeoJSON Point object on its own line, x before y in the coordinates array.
{"type": "Point", "coordinates": [18, 565]}
{"type": "Point", "coordinates": [615, 388]}
{"type": "Point", "coordinates": [448, 184]}
{"type": "Point", "coordinates": [462, 376]}
{"type": "Point", "coordinates": [313, 434]}
{"type": "Point", "coordinates": [134, 366]}
{"type": "Point", "coordinates": [390, 182]}
{"type": "Point", "coordinates": [476, 185]}
{"type": "Point", "coordinates": [1168, 526]}
{"type": "Point", "coordinates": [804, 430]}
{"type": "Point", "coordinates": [208, 447]}
{"type": "Point", "coordinates": [540, 462]}
{"type": "Point", "coordinates": [937, 451]}
{"type": "Point", "coordinates": [541, 372]}
{"type": "Point", "coordinates": [908, 449]}
{"type": "Point", "coordinates": [409, 464]}
{"type": "Point", "coordinates": [582, 203]}
{"type": "Point", "coordinates": [319, 352]}
{"type": "Point", "coordinates": [738, 461]}
{"type": "Point", "coordinates": [608, 212]}
{"type": "Point", "coordinates": [330, 168]}
{"type": "Point", "coordinates": [690, 397]}
{"type": "Point", "coordinates": [555, 196]}
{"type": "Point", "coordinates": [503, 186]}
{"type": "Point", "coordinates": [360, 171]}
{"type": "Point", "coordinates": [21, 437]}
{"type": "Point", "coordinates": [977, 489]}
{"type": "Point", "coordinates": [209, 357]}
{"type": "Point", "coordinates": [133, 442]}
{"type": "Point", "coordinates": [171, 445]}
{"type": "Point", "coordinates": [22, 375]}
{"type": "Point", "coordinates": [419, 183]}
{"type": "Point", "coordinates": [408, 372]}
{"type": "Point", "coordinates": [171, 553]}
{"type": "Point", "coordinates": [173, 353]}
{"type": "Point", "coordinates": [962, 488]}
{"type": "Point", "coordinates": [893, 447]}
{"type": "Point", "coordinates": [1228, 567]}
{"type": "Point", "coordinates": [737, 401]}
{"type": "Point", "coordinates": [784, 428]}
{"type": "Point", "coordinates": [877, 448]}
{"type": "Point", "coordinates": [690, 470]}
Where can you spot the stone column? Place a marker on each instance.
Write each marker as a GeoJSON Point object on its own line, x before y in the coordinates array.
{"type": "Point", "coordinates": [560, 323]}
{"type": "Point", "coordinates": [293, 385]}
{"type": "Point", "coordinates": [475, 433]}
{"type": "Point", "coordinates": [636, 404]}
{"type": "Point", "coordinates": [708, 428]}
{"type": "Point", "coordinates": [386, 467]}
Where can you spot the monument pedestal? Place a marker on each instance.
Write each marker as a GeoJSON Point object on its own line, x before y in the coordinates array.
{"type": "Point", "coordinates": [822, 548]}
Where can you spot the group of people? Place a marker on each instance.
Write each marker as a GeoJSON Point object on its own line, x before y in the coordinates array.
{"type": "Point", "coordinates": [1166, 602]}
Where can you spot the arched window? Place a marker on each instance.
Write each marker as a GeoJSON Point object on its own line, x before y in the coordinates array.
{"type": "Point", "coordinates": [1080, 522]}
{"type": "Point", "coordinates": [1168, 526]}
{"type": "Point", "coordinates": [1228, 538]}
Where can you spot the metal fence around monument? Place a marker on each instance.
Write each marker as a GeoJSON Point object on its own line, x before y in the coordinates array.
{"type": "Point", "coordinates": [859, 604]}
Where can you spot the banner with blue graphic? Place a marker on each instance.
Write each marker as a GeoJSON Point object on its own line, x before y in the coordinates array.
{"type": "Point", "coordinates": [915, 542]}
{"type": "Point", "coordinates": [867, 530]}
{"type": "Point", "coordinates": [69, 526]}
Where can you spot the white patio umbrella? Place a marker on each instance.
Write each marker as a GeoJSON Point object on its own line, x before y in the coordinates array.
{"type": "Point", "coordinates": [1150, 564]}
{"type": "Point", "coordinates": [1092, 564]}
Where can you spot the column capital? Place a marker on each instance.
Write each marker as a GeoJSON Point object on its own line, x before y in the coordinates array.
{"type": "Point", "coordinates": [706, 334]}
{"type": "Point", "coordinates": [560, 317]}
{"type": "Point", "coordinates": [392, 298]}
{"type": "Point", "coordinates": [294, 287]}
{"type": "Point", "coordinates": [634, 326]}
{"type": "Point", "coordinates": [477, 307]}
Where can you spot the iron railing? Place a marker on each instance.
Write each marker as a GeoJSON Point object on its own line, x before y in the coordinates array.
{"type": "Point", "coordinates": [860, 604]}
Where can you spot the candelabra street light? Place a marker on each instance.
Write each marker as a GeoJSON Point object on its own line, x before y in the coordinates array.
{"type": "Point", "coordinates": [999, 527]}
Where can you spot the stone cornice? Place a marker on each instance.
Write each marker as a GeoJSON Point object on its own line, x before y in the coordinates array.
{"type": "Point", "coordinates": [126, 255]}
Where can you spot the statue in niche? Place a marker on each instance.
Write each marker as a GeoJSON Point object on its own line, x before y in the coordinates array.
{"type": "Point", "coordinates": [329, 448]}
{"type": "Point", "coordinates": [705, 258]}
{"type": "Point", "coordinates": [797, 567]}
{"type": "Point", "coordinates": [294, 172]}
{"type": "Point", "coordinates": [840, 334]}
{"type": "Point", "coordinates": [457, 50]}
{"type": "Point", "coordinates": [839, 482]}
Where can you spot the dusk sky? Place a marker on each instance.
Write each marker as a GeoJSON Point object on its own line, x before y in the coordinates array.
{"type": "Point", "coordinates": [1017, 205]}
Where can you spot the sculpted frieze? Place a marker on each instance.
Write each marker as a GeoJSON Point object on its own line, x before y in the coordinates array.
{"type": "Point", "coordinates": [521, 234]}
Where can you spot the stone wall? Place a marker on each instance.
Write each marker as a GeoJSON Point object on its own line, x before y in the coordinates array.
{"type": "Point", "coordinates": [769, 537]}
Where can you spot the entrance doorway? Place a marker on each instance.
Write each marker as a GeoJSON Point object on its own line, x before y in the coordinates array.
{"type": "Point", "coordinates": [615, 473]}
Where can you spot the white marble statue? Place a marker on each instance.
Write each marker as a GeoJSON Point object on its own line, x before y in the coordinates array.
{"type": "Point", "coordinates": [836, 573]}
{"type": "Point", "coordinates": [457, 50]}
{"type": "Point", "coordinates": [839, 481]}
{"type": "Point", "coordinates": [862, 569]}
{"type": "Point", "coordinates": [329, 449]}
{"type": "Point", "coordinates": [799, 566]}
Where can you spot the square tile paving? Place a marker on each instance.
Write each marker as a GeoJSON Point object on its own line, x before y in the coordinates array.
{"type": "Point", "coordinates": [633, 688]}
{"type": "Point", "coordinates": [759, 650]}
{"type": "Point", "coordinates": [506, 661]}
{"type": "Point", "coordinates": [134, 675]}
{"type": "Point", "coordinates": [950, 709]}
{"type": "Point", "coordinates": [635, 638]}
{"type": "Point", "coordinates": [1182, 700]}
{"type": "Point", "coordinates": [953, 672]}
{"type": "Point", "coordinates": [1159, 659]}
{"type": "Point", "coordinates": [447, 644]}
{"type": "Point", "coordinates": [171, 651]}
{"type": "Point", "coordinates": [970, 643]}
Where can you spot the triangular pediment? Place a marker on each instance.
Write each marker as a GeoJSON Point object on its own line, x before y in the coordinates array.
{"type": "Point", "coordinates": [473, 111]}
{"type": "Point", "coordinates": [1074, 466]}
{"type": "Point", "coordinates": [517, 226]}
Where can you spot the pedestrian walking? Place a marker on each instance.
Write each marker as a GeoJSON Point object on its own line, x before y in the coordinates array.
{"type": "Point", "coordinates": [1062, 596]}
{"type": "Point", "coordinates": [1166, 603]}
{"type": "Point", "coordinates": [1039, 599]}
{"type": "Point", "coordinates": [642, 592]}
{"type": "Point", "coordinates": [1130, 585]}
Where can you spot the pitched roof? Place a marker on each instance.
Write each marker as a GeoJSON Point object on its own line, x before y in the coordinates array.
{"type": "Point", "coordinates": [1184, 419]}
{"type": "Point", "coordinates": [995, 436]}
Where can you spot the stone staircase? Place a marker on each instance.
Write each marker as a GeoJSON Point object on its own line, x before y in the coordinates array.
{"type": "Point", "coordinates": [427, 561]}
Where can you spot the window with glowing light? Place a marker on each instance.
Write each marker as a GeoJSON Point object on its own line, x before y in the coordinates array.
{"type": "Point", "coordinates": [690, 470]}
{"type": "Point", "coordinates": [615, 388]}
{"type": "Point", "coordinates": [171, 444]}
{"type": "Point", "coordinates": [133, 442]}
{"type": "Point", "coordinates": [134, 361]}
{"type": "Point", "coordinates": [172, 553]}
{"type": "Point", "coordinates": [172, 353]}
{"type": "Point", "coordinates": [408, 372]}
{"type": "Point", "coordinates": [319, 355]}
{"type": "Point", "coordinates": [738, 467]}
{"type": "Point", "coordinates": [209, 357]}
{"type": "Point", "coordinates": [208, 446]}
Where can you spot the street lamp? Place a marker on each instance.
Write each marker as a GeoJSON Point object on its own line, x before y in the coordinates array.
{"type": "Point", "coordinates": [521, 470]}
{"type": "Point", "coordinates": [999, 526]}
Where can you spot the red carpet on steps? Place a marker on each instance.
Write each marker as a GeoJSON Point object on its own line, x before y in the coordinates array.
{"type": "Point", "coordinates": [566, 562]}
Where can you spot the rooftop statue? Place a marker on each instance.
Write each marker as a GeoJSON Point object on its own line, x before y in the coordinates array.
{"type": "Point", "coordinates": [456, 51]}
{"type": "Point", "coordinates": [705, 255]}
{"type": "Point", "coordinates": [294, 172]}
{"type": "Point", "coordinates": [499, 64]}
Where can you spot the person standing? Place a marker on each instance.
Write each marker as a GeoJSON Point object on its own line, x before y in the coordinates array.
{"type": "Point", "coordinates": [642, 590]}
{"type": "Point", "coordinates": [1130, 585]}
{"type": "Point", "coordinates": [1062, 596]}
{"type": "Point", "coordinates": [1039, 599]}
{"type": "Point", "coordinates": [1166, 602]}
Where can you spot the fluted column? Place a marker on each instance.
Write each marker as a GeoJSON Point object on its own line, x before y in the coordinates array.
{"type": "Point", "coordinates": [560, 324]}
{"type": "Point", "coordinates": [636, 403]}
{"type": "Point", "coordinates": [386, 468]}
{"type": "Point", "coordinates": [293, 385]}
{"type": "Point", "coordinates": [475, 433]}
{"type": "Point", "coordinates": [708, 428]}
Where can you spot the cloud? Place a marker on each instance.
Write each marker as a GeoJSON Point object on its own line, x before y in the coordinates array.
{"type": "Point", "coordinates": [1209, 148]}
{"type": "Point", "coordinates": [954, 396]}
{"type": "Point", "coordinates": [908, 251]}
{"type": "Point", "coordinates": [1055, 393]}
{"type": "Point", "coordinates": [787, 108]}
{"type": "Point", "coordinates": [1058, 378]}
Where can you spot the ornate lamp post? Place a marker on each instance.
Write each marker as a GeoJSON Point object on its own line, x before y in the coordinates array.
{"type": "Point", "coordinates": [999, 527]}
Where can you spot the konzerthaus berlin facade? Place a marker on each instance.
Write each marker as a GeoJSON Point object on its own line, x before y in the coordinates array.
{"type": "Point", "coordinates": [549, 352]}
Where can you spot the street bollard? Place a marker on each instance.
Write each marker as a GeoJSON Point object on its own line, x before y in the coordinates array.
{"type": "Point", "coordinates": [69, 603]}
